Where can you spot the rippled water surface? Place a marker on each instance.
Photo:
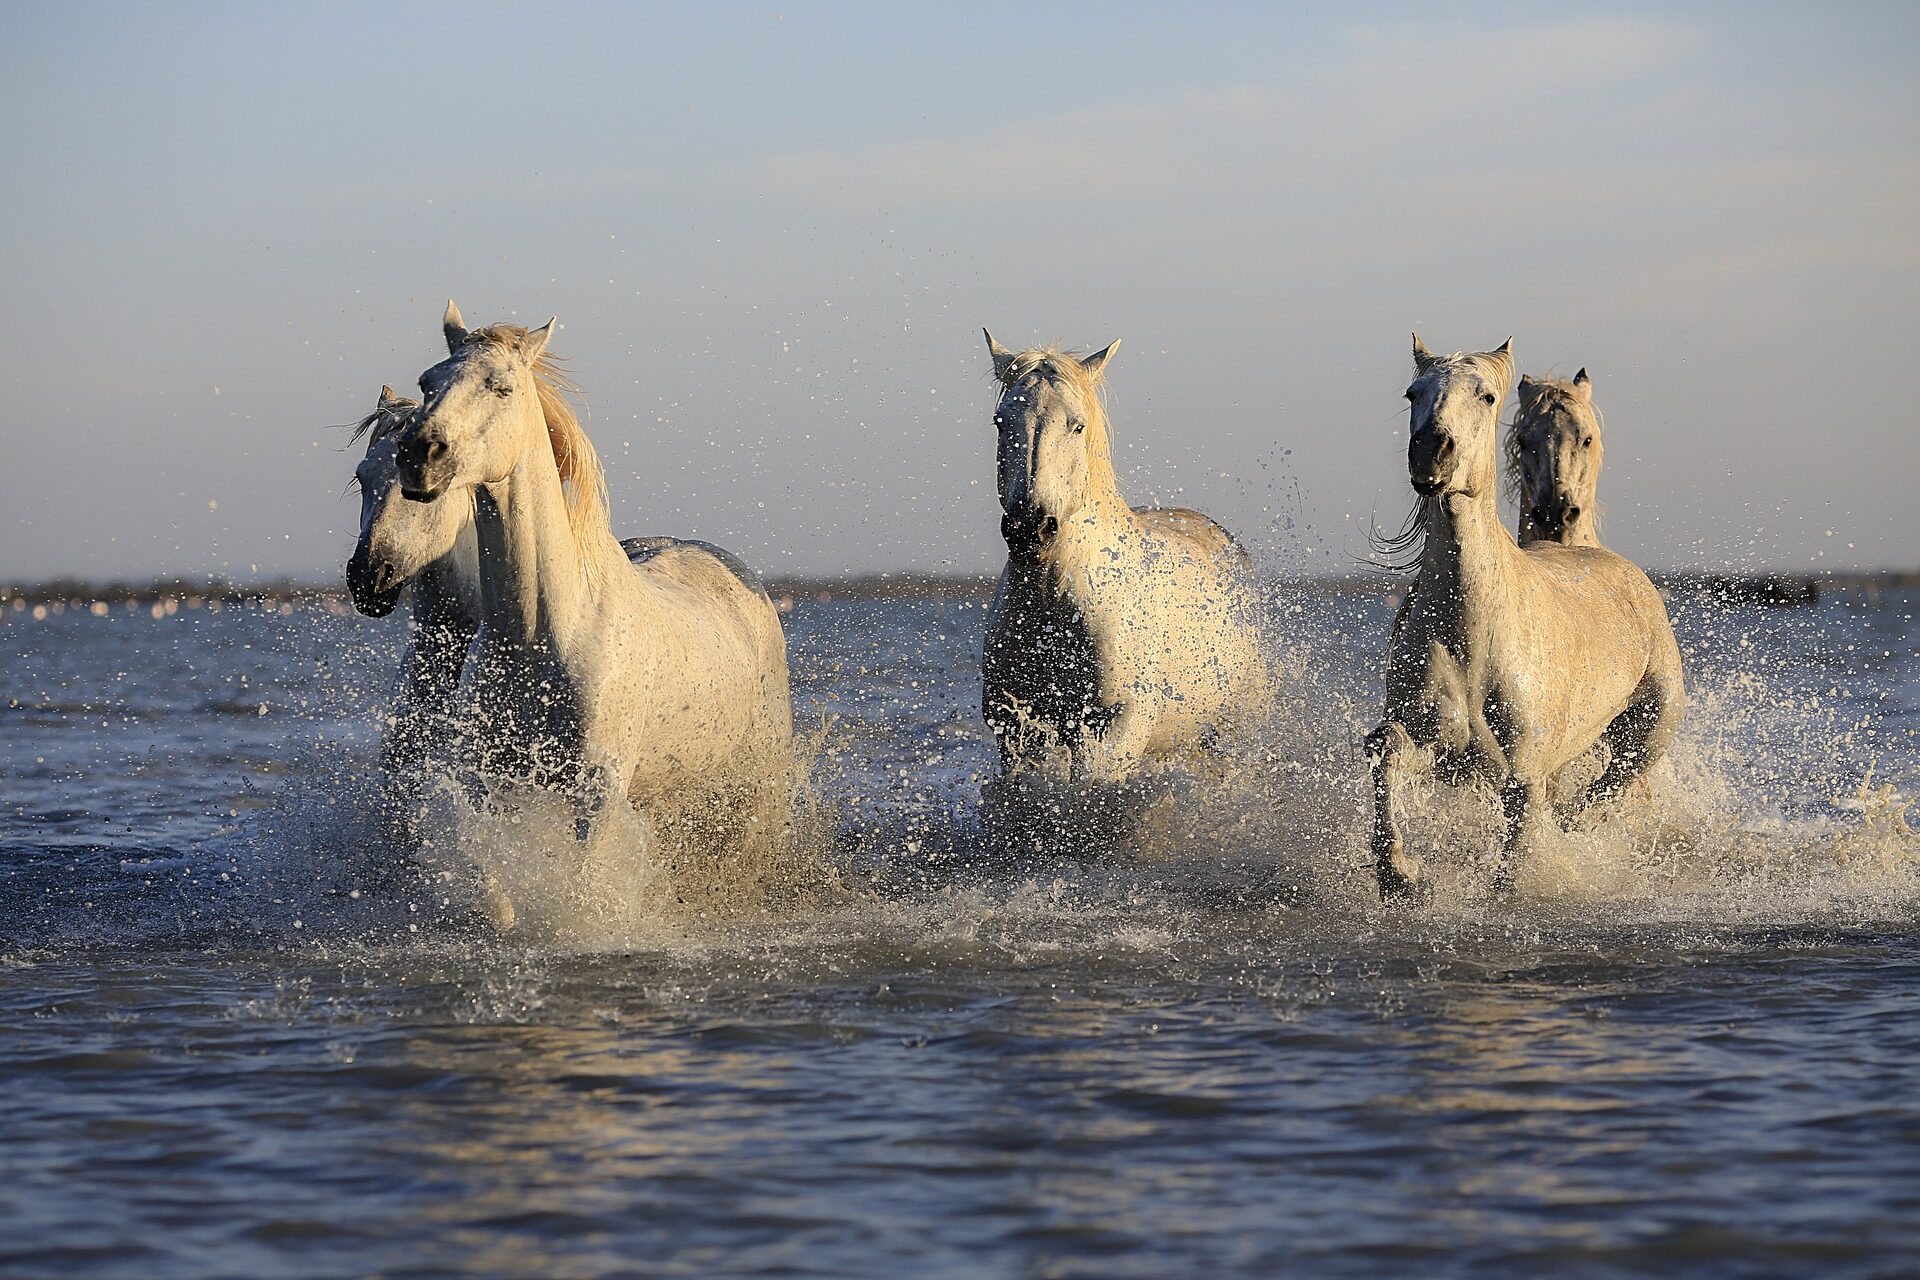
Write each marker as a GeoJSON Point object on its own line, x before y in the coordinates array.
{"type": "Point", "coordinates": [233, 1047]}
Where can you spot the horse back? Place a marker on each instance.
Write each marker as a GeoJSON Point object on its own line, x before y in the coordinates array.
{"type": "Point", "coordinates": [1207, 535]}
{"type": "Point", "coordinates": [642, 550]}
{"type": "Point", "coordinates": [1596, 586]}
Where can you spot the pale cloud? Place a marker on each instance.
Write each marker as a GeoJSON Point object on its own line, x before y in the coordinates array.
{"type": "Point", "coordinates": [1392, 90]}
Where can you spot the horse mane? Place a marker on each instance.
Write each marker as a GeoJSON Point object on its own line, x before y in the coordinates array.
{"type": "Point", "coordinates": [385, 420]}
{"type": "Point", "coordinates": [1400, 552]}
{"type": "Point", "coordinates": [582, 478]}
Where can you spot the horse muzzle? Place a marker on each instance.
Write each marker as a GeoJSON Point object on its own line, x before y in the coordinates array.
{"type": "Point", "coordinates": [1429, 462]}
{"type": "Point", "coordinates": [374, 590]}
{"type": "Point", "coordinates": [1553, 519]}
{"type": "Point", "coordinates": [1028, 532]}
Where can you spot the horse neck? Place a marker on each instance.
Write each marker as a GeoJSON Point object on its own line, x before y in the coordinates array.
{"type": "Point", "coordinates": [1104, 505]}
{"type": "Point", "coordinates": [1467, 548]}
{"type": "Point", "coordinates": [534, 576]}
{"type": "Point", "coordinates": [449, 587]}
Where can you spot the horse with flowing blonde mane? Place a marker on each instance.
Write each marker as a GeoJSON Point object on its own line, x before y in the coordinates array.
{"type": "Point", "coordinates": [1554, 453]}
{"type": "Point", "coordinates": [1117, 636]}
{"type": "Point", "coordinates": [1508, 662]}
{"type": "Point", "coordinates": [430, 549]}
{"type": "Point", "coordinates": [663, 682]}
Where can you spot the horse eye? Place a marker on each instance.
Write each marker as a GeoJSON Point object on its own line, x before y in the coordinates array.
{"type": "Point", "coordinates": [1412, 395]}
{"type": "Point", "coordinates": [1079, 427]}
{"type": "Point", "coordinates": [1586, 442]}
{"type": "Point", "coordinates": [1489, 397]}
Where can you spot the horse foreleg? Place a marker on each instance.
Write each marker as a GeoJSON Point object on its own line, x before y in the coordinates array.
{"type": "Point", "coordinates": [1114, 746]}
{"type": "Point", "coordinates": [595, 794]}
{"type": "Point", "coordinates": [1520, 803]}
{"type": "Point", "coordinates": [1635, 740]}
{"type": "Point", "coordinates": [1390, 750]}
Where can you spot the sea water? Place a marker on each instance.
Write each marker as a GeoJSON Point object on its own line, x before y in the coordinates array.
{"type": "Point", "coordinates": [237, 1041]}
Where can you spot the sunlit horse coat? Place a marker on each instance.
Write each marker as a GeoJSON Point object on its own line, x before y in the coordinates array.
{"type": "Point", "coordinates": [663, 683]}
{"type": "Point", "coordinates": [1508, 662]}
{"type": "Point", "coordinates": [1116, 636]}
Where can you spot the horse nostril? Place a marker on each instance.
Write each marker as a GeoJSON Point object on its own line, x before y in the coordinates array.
{"type": "Point", "coordinates": [436, 449]}
{"type": "Point", "coordinates": [1573, 513]}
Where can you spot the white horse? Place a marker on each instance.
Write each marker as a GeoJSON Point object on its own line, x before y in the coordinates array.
{"type": "Point", "coordinates": [1116, 637]}
{"type": "Point", "coordinates": [432, 547]}
{"type": "Point", "coordinates": [1508, 662]}
{"type": "Point", "coordinates": [661, 683]}
{"type": "Point", "coordinates": [1554, 454]}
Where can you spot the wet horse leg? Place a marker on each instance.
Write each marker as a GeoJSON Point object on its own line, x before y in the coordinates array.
{"type": "Point", "coordinates": [1521, 801]}
{"type": "Point", "coordinates": [1635, 740]}
{"type": "Point", "coordinates": [1390, 751]}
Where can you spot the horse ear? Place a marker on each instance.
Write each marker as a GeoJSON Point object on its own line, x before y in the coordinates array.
{"type": "Point", "coordinates": [1583, 384]}
{"type": "Point", "coordinates": [454, 327]}
{"type": "Point", "coordinates": [1096, 364]}
{"type": "Point", "coordinates": [1505, 352]}
{"type": "Point", "coordinates": [534, 343]}
{"type": "Point", "coordinates": [388, 399]}
{"type": "Point", "coordinates": [1002, 358]}
{"type": "Point", "coordinates": [1422, 358]}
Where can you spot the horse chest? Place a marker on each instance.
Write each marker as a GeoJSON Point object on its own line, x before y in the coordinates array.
{"type": "Point", "coordinates": [1448, 698]}
{"type": "Point", "coordinates": [1041, 662]}
{"type": "Point", "coordinates": [526, 710]}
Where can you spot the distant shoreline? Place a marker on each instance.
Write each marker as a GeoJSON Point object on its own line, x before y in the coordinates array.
{"type": "Point", "coordinates": [167, 595]}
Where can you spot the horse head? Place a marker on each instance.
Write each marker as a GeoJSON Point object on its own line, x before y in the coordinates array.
{"type": "Point", "coordinates": [1554, 454]}
{"type": "Point", "coordinates": [397, 538]}
{"type": "Point", "coordinates": [1053, 455]}
{"type": "Point", "coordinates": [481, 403]}
{"type": "Point", "coordinates": [1455, 418]}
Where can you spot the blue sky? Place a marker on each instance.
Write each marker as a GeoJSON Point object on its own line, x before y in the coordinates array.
{"type": "Point", "coordinates": [772, 233]}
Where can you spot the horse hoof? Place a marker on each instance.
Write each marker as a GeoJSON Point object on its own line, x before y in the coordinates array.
{"type": "Point", "coordinates": [1401, 890]}
{"type": "Point", "coordinates": [498, 908]}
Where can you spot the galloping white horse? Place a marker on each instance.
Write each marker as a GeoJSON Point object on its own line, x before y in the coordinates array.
{"type": "Point", "coordinates": [663, 683]}
{"type": "Point", "coordinates": [1116, 636]}
{"type": "Point", "coordinates": [431, 546]}
{"type": "Point", "coordinates": [1553, 461]}
{"type": "Point", "coordinates": [1508, 662]}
